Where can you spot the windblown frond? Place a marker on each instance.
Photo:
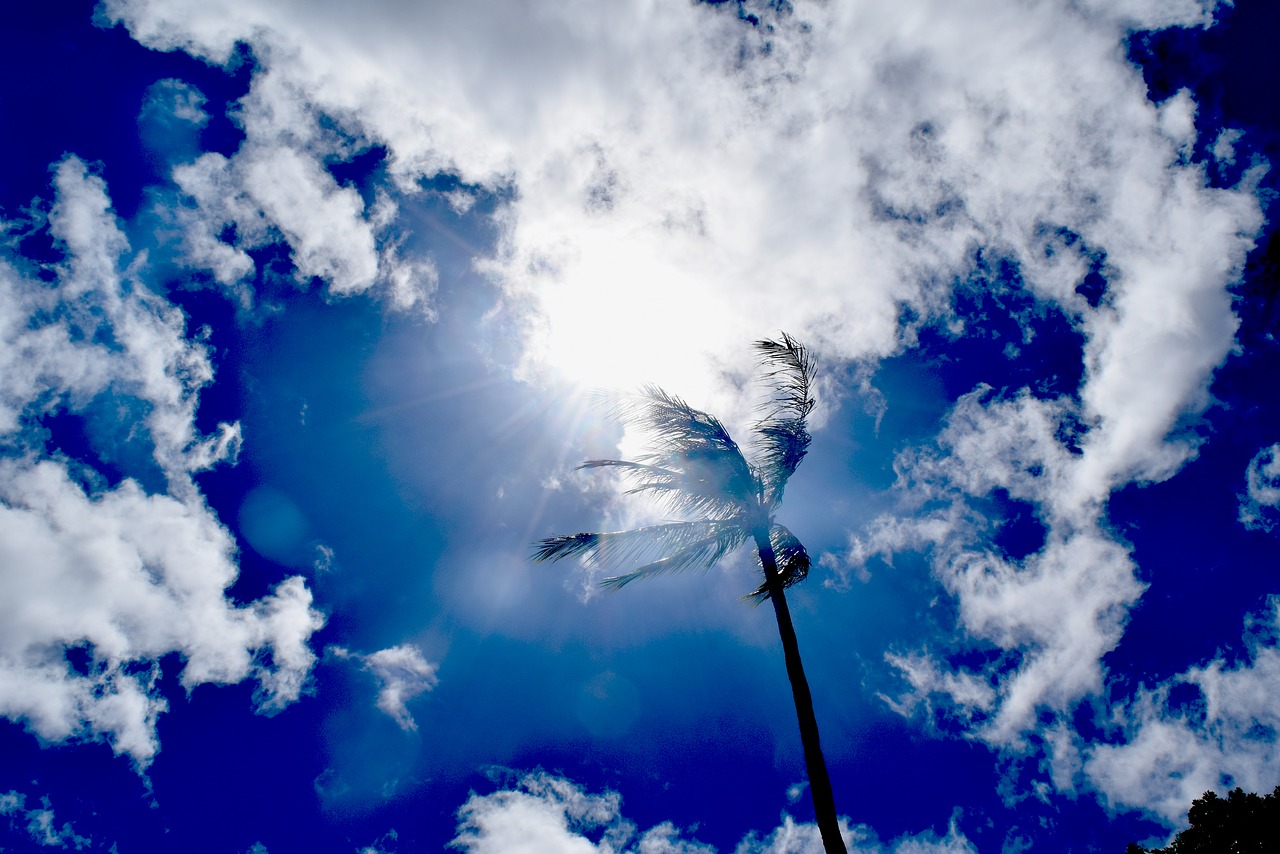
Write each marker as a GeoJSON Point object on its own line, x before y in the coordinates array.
{"type": "Point", "coordinates": [688, 491]}
{"type": "Point", "coordinates": [702, 554]}
{"type": "Point", "coordinates": [662, 548]}
{"type": "Point", "coordinates": [624, 548]}
{"type": "Point", "coordinates": [691, 443]}
{"type": "Point", "coordinates": [791, 557]}
{"type": "Point", "coordinates": [781, 435]}
{"type": "Point", "coordinates": [696, 471]}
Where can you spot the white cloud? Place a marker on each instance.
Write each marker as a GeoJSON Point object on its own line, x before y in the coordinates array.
{"type": "Point", "coordinates": [793, 838]}
{"type": "Point", "coordinates": [276, 189]}
{"type": "Point", "coordinates": [1262, 484]}
{"type": "Point", "coordinates": [929, 842]}
{"type": "Point", "coordinates": [1061, 609]}
{"type": "Point", "coordinates": [665, 838]}
{"type": "Point", "coordinates": [115, 336]}
{"type": "Point", "coordinates": [990, 443]}
{"type": "Point", "coordinates": [1224, 147]}
{"type": "Point", "coordinates": [1150, 358]}
{"type": "Point", "coordinates": [1178, 120]}
{"type": "Point", "coordinates": [1156, 14]}
{"type": "Point", "coordinates": [675, 165]}
{"type": "Point", "coordinates": [98, 582]}
{"type": "Point", "coordinates": [1224, 736]}
{"type": "Point", "coordinates": [40, 823]}
{"type": "Point", "coordinates": [1054, 613]}
{"type": "Point", "coordinates": [273, 192]}
{"type": "Point", "coordinates": [280, 187]}
{"type": "Point", "coordinates": [971, 692]}
{"type": "Point", "coordinates": [857, 153]}
{"type": "Point", "coordinates": [888, 534]}
{"type": "Point", "coordinates": [385, 844]}
{"type": "Point", "coordinates": [402, 674]}
{"type": "Point", "coordinates": [546, 814]}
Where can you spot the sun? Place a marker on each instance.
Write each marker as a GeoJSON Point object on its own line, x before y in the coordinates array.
{"type": "Point", "coordinates": [620, 318]}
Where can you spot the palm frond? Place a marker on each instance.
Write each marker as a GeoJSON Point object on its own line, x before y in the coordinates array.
{"type": "Point", "coordinates": [623, 548]}
{"type": "Point", "coordinates": [687, 440]}
{"type": "Point", "coordinates": [700, 554]}
{"type": "Point", "coordinates": [684, 493]}
{"type": "Point", "coordinates": [791, 557]}
{"type": "Point", "coordinates": [781, 435]}
{"type": "Point", "coordinates": [693, 466]}
{"type": "Point", "coordinates": [695, 470]}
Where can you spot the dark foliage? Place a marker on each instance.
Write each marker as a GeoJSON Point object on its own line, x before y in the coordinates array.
{"type": "Point", "coordinates": [1240, 823]}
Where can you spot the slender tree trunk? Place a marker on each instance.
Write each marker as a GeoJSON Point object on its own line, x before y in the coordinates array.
{"type": "Point", "coordinates": [824, 804]}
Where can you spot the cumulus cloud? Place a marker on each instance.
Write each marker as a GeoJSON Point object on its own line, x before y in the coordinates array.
{"type": "Point", "coordinates": [1019, 607]}
{"type": "Point", "coordinates": [882, 153]}
{"type": "Point", "coordinates": [402, 674]}
{"type": "Point", "coordinates": [927, 676]}
{"type": "Point", "coordinates": [263, 190]}
{"type": "Point", "coordinates": [385, 844]}
{"type": "Point", "coordinates": [545, 814]}
{"type": "Point", "coordinates": [276, 189]}
{"type": "Point", "coordinates": [100, 333]}
{"type": "Point", "coordinates": [100, 580]}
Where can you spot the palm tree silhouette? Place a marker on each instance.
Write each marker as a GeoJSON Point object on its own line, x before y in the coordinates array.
{"type": "Point", "coordinates": [696, 470]}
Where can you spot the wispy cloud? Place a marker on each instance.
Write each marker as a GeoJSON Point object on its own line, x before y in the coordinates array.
{"type": "Point", "coordinates": [1262, 490]}
{"type": "Point", "coordinates": [40, 824]}
{"type": "Point", "coordinates": [402, 674]}
{"type": "Point", "coordinates": [1053, 616]}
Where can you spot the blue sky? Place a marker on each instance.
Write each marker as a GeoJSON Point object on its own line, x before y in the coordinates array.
{"type": "Point", "coordinates": [301, 310]}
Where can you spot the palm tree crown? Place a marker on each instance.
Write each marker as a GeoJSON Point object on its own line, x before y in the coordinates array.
{"type": "Point", "coordinates": [695, 470]}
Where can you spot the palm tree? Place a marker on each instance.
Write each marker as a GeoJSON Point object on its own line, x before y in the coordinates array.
{"type": "Point", "coordinates": [726, 499]}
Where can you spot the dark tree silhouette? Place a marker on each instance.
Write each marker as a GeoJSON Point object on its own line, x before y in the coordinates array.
{"type": "Point", "coordinates": [1240, 823]}
{"type": "Point", "coordinates": [726, 499]}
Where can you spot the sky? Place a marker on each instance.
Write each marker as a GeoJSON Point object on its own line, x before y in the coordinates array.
{"type": "Point", "coordinates": [305, 313]}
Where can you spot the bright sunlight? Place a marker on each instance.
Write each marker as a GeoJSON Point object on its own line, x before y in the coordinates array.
{"type": "Point", "coordinates": [619, 317]}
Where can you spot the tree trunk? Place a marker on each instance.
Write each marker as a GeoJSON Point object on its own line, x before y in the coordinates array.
{"type": "Point", "coordinates": [824, 804]}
